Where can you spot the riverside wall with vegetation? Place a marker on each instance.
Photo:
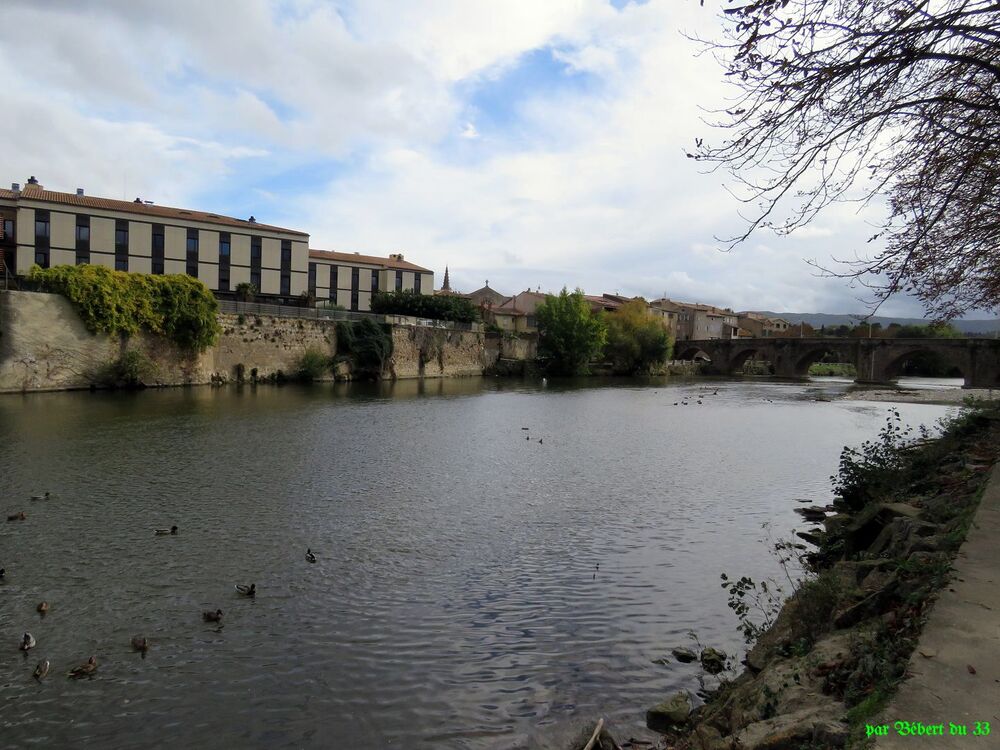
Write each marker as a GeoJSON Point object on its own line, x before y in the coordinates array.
{"type": "Point", "coordinates": [46, 345]}
{"type": "Point", "coordinates": [825, 662]}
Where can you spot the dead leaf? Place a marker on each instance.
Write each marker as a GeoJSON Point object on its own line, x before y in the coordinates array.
{"type": "Point", "coordinates": [927, 653]}
{"type": "Point", "coordinates": [972, 669]}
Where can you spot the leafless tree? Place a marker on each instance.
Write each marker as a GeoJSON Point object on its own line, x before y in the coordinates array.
{"type": "Point", "coordinates": [885, 100]}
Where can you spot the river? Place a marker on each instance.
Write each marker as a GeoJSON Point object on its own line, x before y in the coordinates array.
{"type": "Point", "coordinates": [478, 585]}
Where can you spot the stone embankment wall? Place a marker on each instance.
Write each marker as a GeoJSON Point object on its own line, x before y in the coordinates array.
{"type": "Point", "coordinates": [45, 346]}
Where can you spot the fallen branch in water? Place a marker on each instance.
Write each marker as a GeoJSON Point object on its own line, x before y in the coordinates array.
{"type": "Point", "coordinates": [595, 735]}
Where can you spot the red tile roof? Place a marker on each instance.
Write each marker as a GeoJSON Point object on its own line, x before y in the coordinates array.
{"type": "Point", "coordinates": [32, 192]}
{"type": "Point", "coordinates": [374, 260]}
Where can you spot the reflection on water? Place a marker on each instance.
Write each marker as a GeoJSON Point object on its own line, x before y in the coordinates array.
{"type": "Point", "coordinates": [456, 602]}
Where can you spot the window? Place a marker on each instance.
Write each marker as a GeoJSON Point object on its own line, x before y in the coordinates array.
{"type": "Point", "coordinates": [121, 245]}
{"type": "Point", "coordinates": [192, 253]}
{"type": "Point", "coordinates": [42, 238]}
{"type": "Point", "coordinates": [255, 279]}
{"type": "Point", "coordinates": [374, 281]}
{"type": "Point", "coordinates": [355, 281]}
{"type": "Point", "coordinates": [255, 256]}
{"type": "Point", "coordinates": [333, 284]}
{"type": "Point", "coordinates": [224, 253]}
{"type": "Point", "coordinates": [399, 281]}
{"type": "Point", "coordinates": [286, 252]}
{"type": "Point", "coordinates": [312, 279]}
{"type": "Point", "coordinates": [286, 283]}
{"type": "Point", "coordinates": [157, 249]}
{"type": "Point", "coordinates": [416, 283]}
{"type": "Point", "coordinates": [82, 240]}
{"type": "Point", "coordinates": [41, 225]}
{"type": "Point", "coordinates": [286, 267]}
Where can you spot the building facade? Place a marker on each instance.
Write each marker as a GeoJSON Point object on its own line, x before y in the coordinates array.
{"type": "Point", "coordinates": [50, 228]}
{"type": "Point", "coordinates": [350, 279]}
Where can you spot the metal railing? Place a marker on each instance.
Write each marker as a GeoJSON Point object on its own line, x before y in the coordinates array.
{"type": "Point", "coordinates": [326, 313]}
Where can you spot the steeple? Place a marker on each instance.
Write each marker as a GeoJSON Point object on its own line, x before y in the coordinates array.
{"type": "Point", "coordinates": [446, 286]}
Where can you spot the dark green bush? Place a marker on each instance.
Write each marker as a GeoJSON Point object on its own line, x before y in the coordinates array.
{"type": "Point", "coordinates": [130, 370]}
{"type": "Point", "coordinates": [177, 306]}
{"type": "Point", "coordinates": [312, 365]}
{"type": "Point", "coordinates": [438, 307]}
{"type": "Point", "coordinates": [368, 344]}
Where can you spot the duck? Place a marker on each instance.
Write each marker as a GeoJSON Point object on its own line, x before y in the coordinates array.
{"type": "Point", "coordinates": [27, 642]}
{"type": "Point", "coordinates": [3, 573]}
{"type": "Point", "coordinates": [20, 516]}
{"type": "Point", "coordinates": [166, 532]}
{"type": "Point", "coordinates": [310, 557]}
{"type": "Point", "coordinates": [46, 496]}
{"type": "Point", "coordinates": [210, 616]}
{"type": "Point", "coordinates": [41, 669]}
{"type": "Point", "coordinates": [42, 607]}
{"type": "Point", "coordinates": [140, 643]}
{"type": "Point", "coordinates": [250, 590]}
{"type": "Point", "coordinates": [84, 670]}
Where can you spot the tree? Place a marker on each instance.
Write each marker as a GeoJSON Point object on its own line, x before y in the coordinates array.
{"type": "Point", "coordinates": [438, 307]}
{"type": "Point", "coordinates": [245, 291]}
{"type": "Point", "coordinates": [637, 339]}
{"type": "Point", "coordinates": [864, 99]}
{"type": "Point", "coordinates": [569, 334]}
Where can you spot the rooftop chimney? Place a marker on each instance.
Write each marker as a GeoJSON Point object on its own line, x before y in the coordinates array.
{"type": "Point", "coordinates": [32, 180]}
{"type": "Point", "coordinates": [16, 187]}
{"type": "Point", "coordinates": [79, 191]}
{"type": "Point", "coordinates": [33, 183]}
{"type": "Point", "coordinates": [252, 220]}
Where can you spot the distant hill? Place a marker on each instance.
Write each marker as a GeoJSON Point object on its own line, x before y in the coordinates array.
{"type": "Point", "coordinates": [979, 327]}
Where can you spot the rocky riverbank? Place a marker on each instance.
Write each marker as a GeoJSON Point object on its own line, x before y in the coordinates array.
{"type": "Point", "coordinates": [839, 647]}
{"type": "Point", "coordinates": [945, 396]}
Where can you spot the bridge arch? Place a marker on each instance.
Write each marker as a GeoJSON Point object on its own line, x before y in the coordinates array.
{"type": "Point", "coordinates": [740, 357]}
{"type": "Point", "coordinates": [926, 357]}
{"type": "Point", "coordinates": [806, 359]}
{"type": "Point", "coordinates": [690, 353]}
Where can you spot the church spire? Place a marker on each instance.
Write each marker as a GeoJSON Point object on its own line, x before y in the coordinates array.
{"type": "Point", "coordinates": [446, 286]}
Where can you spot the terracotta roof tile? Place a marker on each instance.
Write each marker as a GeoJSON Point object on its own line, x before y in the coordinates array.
{"type": "Point", "coordinates": [109, 204]}
{"type": "Point", "coordinates": [374, 260]}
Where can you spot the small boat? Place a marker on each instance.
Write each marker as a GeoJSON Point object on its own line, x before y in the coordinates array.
{"type": "Point", "coordinates": [20, 516]}
{"type": "Point", "coordinates": [41, 669]}
{"type": "Point", "coordinates": [250, 590]}
{"type": "Point", "coordinates": [46, 496]}
{"type": "Point", "coordinates": [310, 556]}
{"type": "Point", "coordinates": [165, 532]}
{"type": "Point", "coordinates": [84, 670]}
{"type": "Point", "coordinates": [140, 643]}
{"type": "Point", "coordinates": [27, 642]}
{"type": "Point", "coordinates": [210, 616]}
{"type": "Point", "coordinates": [42, 607]}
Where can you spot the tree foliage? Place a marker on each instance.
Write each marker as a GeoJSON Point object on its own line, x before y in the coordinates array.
{"type": "Point", "coordinates": [176, 306]}
{"type": "Point", "coordinates": [368, 344]}
{"type": "Point", "coordinates": [438, 306]}
{"type": "Point", "coordinates": [570, 334]}
{"type": "Point", "coordinates": [637, 339]}
{"type": "Point", "coordinates": [863, 99]}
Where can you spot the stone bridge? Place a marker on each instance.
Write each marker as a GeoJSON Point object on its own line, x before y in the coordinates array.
{"type": "Point", "coordinates": [877, 360]}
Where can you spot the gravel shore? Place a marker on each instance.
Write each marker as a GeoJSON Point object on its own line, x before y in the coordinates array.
{"type": "Point", "coordinates": [921, 396]}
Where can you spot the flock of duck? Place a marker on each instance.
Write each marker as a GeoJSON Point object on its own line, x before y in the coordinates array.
{"type": "Point", "coordinates": [139, 643]}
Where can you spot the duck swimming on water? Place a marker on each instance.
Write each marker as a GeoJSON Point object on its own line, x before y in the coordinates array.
{"type": "Point", "coordinates": [165, 532]}
{"type": "Point", "coordinates": [42, 607]}
{"type": "Point", "coordinates": [46, 496]}
{"type": "Point", "coordinates": [250, 590]}
{"type": "Point", "coordinates": [210, 616]}
{"type": "Point", "coordinates": [20, 516]}
{"type": "Point", "coordinates": [27, 642]}
{"type": "Point", "coordinates": [140, 643]}
{"type": "Point", "coordinates": [310, 556]}
{"type": "Point", "coordinates": [84, 670]}
{"type": "Point", "coordinates": [41, 670]}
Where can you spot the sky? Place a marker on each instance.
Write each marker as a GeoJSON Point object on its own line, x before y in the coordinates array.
{"type": "Point", "coordinates": [531, 144]}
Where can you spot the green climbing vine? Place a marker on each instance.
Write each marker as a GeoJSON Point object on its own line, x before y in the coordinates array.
{"type": "Point", "coordinates": [176, 306]}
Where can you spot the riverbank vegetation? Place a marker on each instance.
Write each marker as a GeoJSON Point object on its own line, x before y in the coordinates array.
{"type": "Point", "coordinates": [637, 340]}
{"type": "Point", "coordinates": [366, 344]}
{"type": "Point", "coordinates": [826, 660]}
{"type": "Point", "coordinates": [176, 306]}
{"type": "Point", "coordinates": [840, 369]}
{"type": "Point", "coordinates": [571, 335]}
{"type": "Point", "coordinates": [436, 306]}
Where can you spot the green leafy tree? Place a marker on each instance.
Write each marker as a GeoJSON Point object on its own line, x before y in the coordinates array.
{"type": "Point", "coordinates": [570, 334]}
{"type": "Point", "coordinates": [637, 339]}
{"type": "Point", "coordinates": [438, 306]}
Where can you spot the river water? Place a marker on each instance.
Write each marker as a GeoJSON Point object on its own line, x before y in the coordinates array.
{"type": "Point", "coordinates": [456, 601]}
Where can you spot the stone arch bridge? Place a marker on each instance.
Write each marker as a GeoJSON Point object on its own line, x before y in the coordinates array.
{"type": "Point", "coordinates": [877, 360]}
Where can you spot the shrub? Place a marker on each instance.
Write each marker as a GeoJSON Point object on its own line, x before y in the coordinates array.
{"type": "Point", "coordinates": [312, 365]}
{"type": "Point", "coordinates": [438, 307]}
{"type": "Point", "coordinates": [367, 343]}
{"type": "Point", "coordinates": [115, 302]}
{"type": "Point", "coordinates": [131, 369]}
{"type": "Point", "coordinates": [245, 291]}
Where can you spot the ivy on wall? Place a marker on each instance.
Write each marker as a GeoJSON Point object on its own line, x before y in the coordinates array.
{"type": "Point", "coordinates": [176, 306]}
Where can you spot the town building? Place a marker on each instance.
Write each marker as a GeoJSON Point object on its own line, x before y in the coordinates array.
{"type": "Point", "coordinates": [760, 325]}
{"type": "Point", "coordinates": [50, 228]}
{"type": "Point", "coordinates": [350, 279]}
{"type": "Point", "coordinates": [699, 322]}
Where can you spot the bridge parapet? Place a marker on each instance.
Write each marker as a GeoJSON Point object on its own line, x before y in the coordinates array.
{"type": "Point", "coordinates": [878, 360]}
